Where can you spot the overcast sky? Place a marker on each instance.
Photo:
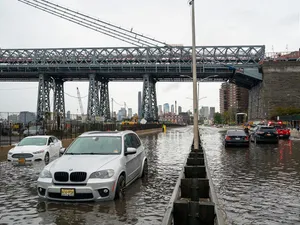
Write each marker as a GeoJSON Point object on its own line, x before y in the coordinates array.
{"type": "Point", "coordinates": [218, 22]}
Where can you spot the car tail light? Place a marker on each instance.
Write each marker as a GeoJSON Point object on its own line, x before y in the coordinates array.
{"type": "Point", "coordinates": [228, 138]}
{"type": "Point", "coordinates": [246, 138]}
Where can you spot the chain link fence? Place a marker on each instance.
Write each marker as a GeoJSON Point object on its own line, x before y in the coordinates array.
{"type": "Point", "coordinates": [14, 126]}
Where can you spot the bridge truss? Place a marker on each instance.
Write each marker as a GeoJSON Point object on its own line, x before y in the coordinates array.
{"type": "Point", "coordinates": [150, 61]}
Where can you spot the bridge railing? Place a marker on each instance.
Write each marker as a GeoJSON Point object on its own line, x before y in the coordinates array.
{"type": "Point", "coordinates": [139, 55]}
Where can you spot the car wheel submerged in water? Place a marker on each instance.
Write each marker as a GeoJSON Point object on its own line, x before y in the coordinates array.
{"type": "Point", "coordinates": [120, 189]}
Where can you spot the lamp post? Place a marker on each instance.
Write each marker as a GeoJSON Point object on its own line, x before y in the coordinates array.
{"type": "Point", "coordinates": [195, 98]}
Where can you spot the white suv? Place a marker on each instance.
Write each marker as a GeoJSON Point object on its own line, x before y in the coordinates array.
{"type": "Point", "coordinates": [96, 166]}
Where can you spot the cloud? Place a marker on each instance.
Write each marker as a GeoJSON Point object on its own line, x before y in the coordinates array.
{"type": "Point", "coordinates": [172, 87]}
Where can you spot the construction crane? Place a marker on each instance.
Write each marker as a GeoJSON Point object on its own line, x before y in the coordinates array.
{"type": "Point", "coordinates": [80, 102]}
{"type": "Point", "coordinates": [95, 24]}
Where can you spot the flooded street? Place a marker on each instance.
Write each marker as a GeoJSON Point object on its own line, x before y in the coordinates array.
{"type": "Point", "coordinates": [256, 185]}
{"type": "Point", "coordinates": [145, 200]}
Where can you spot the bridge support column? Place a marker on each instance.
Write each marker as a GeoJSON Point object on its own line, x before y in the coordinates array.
{"type": "Point", "coordinates": [43, 101]}
{"type": "Point", "coordinates": [104, 99]}
{"type": "Point", "coordinates": [59, 100]}
{"type": "Point", "coordinates": [149, 104]}
{"type": "Point", "coordinates": [93, 101]}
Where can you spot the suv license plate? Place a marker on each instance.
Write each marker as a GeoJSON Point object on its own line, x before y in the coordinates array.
{"type": "Point", "coordinates": [67, 192]}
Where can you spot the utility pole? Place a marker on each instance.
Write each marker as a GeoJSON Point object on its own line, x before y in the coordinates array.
{"type": "Point", "coordinates": [195, 97]}
{"type": "Point", "coordinates": [112, 108]}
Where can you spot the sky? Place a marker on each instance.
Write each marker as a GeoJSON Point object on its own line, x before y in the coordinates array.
{"type": "Point", "coordinates": [275, 24]}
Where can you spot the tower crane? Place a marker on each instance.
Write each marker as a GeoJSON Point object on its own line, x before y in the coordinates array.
{"type": "Point", "coordinates": [80, 102]}
{"type": "Point", "coordinates": [117, 32]}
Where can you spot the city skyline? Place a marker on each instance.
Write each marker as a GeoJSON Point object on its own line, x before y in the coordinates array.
{"type": "Point", "coordinates": [47, 31]}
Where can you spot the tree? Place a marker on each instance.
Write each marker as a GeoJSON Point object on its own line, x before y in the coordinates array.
{"type": "Point", "coordinates": [217, 118]}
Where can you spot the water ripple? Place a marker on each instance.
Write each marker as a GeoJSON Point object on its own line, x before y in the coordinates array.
{"type": "Point", "coordinates": [259, 185]}
{"type": "Point", "coordinates": [145, 200]}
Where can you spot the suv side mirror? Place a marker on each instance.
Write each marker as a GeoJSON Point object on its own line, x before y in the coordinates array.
{"type": "Point", "coordinates": [61, 151]}
{"type": "Point", "coordinates": [130, 151]}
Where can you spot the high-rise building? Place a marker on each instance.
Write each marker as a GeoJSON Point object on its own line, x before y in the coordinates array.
{"type": "Point", "coordinates": [26, 117]}
{"type": "Point", "coordinates": [140, 104]}
{"type": "Point", "coordinates": [172, 109]}
{"type": "Point", "coordinates": [121, 114]}
{"type": "Point", "coordinates": [166, 108]}
{"type": "Point", "coordinates": [212, 111]}
{"type": "Point", "coordinates": [129, 112]}
{"type": "Point", "coordinates": [175, 107]}
{"type": "Point", "coordinates": [160, 111]}
{"type": "Point", "coordinates": [179, 109]}
{"type": "Point", "coordinates": [13, 118]}
{"type": "Point", "coordinates": [68, 115]}
{"type": "Point", "coordinates": [234, 97]}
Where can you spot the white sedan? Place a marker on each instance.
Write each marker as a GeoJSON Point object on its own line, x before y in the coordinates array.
{"type": "Point", "coordinates": [35, 148]}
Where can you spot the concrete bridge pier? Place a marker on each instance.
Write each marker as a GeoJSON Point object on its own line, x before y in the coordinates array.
{"type": "Point", "coordinates": [278, 89]}
{"type": "Point", "coordinates": [104, 98]}
{"type": "Point", "coordinates": [43, 100]}
{"type": "Point", "coordinates": [93, 108]}
{"type": "Point", "coordinates": [149, 102]}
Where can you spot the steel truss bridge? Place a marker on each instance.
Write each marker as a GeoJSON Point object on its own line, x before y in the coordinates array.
{"type": "Point", "coordinates": [52, 67]}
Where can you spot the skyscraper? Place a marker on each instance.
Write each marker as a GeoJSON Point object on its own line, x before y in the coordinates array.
{"type": "Point", "coordinates": [160, 111]}
{"type": "Point", "coordinates": [166, 108]}
{"type": "Point", "coordinates": [172, 109]}
{"type": "Point", "coordinates": [232, 96]}
{"type": "Point", "coordinates": [212, 111]}
{"type": "Point", "coordinates": [140, 104]}
{"type": "Point", "coordinates": [129, 112]}
{"type": "Point", "coordinates": [179, 109]}
{"type": "Point", "coordinates": [175, 107]}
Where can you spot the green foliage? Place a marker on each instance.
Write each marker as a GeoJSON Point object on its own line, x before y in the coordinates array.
{"type": "Point", "coordinates": [217, 118]}
{"type": "Point", "coordinates": [283, 111]}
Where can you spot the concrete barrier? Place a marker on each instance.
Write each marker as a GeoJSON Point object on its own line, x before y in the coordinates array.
{"type": "Point", "coordinates": [194, 200]}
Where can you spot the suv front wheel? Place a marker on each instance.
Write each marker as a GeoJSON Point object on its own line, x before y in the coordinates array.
{"type": "Point", "coordinates": [120, 190]}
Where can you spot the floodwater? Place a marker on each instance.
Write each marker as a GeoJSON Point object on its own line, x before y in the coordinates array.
{"type": "Point", "coordinates": [255, 185]}
{"type": "Point", "coordinates": [145, 201]}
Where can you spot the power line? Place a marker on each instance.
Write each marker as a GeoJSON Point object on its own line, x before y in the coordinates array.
{"type": "Point", "coordinates": [74, 96]}
{"type": "Point", "coordinates": [16, 89]}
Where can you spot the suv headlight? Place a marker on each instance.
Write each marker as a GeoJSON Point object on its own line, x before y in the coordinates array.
{"type": "Point", "coordinates": [10, 153]}
{"type": "Point", "coordinates": [45, 174]}
{"type": "Point", "coordinates": [102, 174]}
{"type": "Point", "coordinates": [39, 152]}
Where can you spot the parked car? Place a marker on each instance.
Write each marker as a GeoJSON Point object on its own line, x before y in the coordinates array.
{"type": "Point", "coordinates": [34, 148]}
{"type": "Point", "coordinates": [282, 130]}
{"type": "Point", "coordinates": [236, 138]}
{"type": "Point", "coordinates": [34, 130]}
{"type": "Point", "coordinates": [96, 166]}
{"type": "Point", "coordinates": [264, 133]}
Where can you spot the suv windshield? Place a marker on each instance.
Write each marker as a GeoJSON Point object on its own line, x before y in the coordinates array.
{"type": "Point", "coordinates": [100, 145]}
{"type": "Point", "coordinates": [33, 141]}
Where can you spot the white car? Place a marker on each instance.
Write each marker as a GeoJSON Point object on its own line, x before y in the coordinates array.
{"type": "Point", "coordinates": [96, 166]}
{"type": "Point", "coordinates": [35, 148]}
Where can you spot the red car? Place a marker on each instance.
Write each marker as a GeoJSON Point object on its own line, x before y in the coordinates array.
{"type": "Point", "coordinates": [282, 130]}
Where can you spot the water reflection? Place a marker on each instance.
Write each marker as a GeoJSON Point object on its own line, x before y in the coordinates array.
{"type": "Point", "coordinates": [144, 203]}
{"type": "Point", "coordinates": [256, 185]}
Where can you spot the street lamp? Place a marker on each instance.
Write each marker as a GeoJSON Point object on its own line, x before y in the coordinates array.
{"type": "Point", "coordinates": [196, 131]}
